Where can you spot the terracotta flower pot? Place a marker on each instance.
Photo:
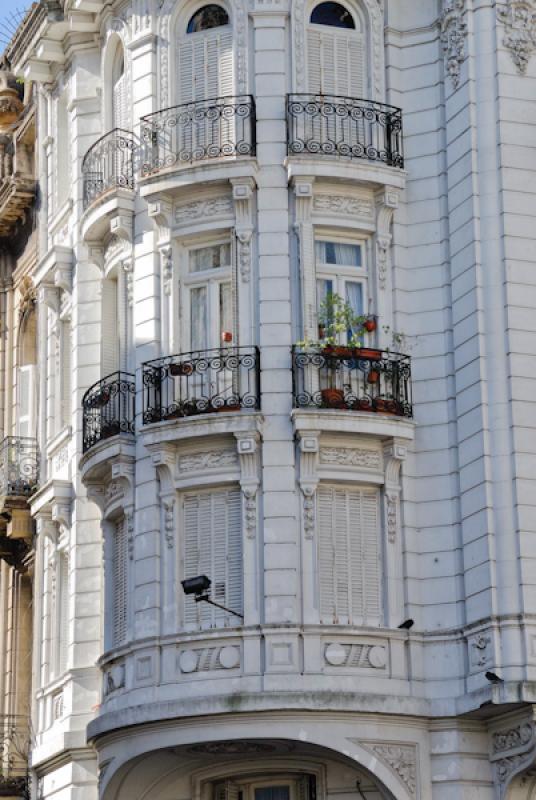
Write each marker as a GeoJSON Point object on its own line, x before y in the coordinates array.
{"type": "Point", "coordinates": [373, 376]}
{"type": "Point", "coordinates": [370, 324]}
{"type": "Point", "coordinates": [370, 353]}
{"type": "Point", "coordinates": [177, 370]}
{"type": "Point", "coordinates": [333, 398]}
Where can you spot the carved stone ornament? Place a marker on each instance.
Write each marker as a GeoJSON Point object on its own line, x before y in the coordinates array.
{"type": "Point", "coordinates": [480, 650]}
{"type": "Point", "coordinates": [309, 511]}
{"type": "Point", "coordinates": [342, 205]}
{"type": "Point", "coordinates": [519, 736]}
{"type": "Point", "coordinates": [246, 445]}
{"type": "Point", "coordinates": [400, 758]}
{"type": "Point", "coordinates": [519, 20]}
{"type": "Point", "coordinates": [200, 210]}
{"type": "Point", "coordinates": [244, 255]}
{"type": "Point", "coordinates": [169, 521]}
{"type": "Point", "coordinates": [114, 678]}
{"type": "Point", "coordinates": [309, 457]}
{"type": "Point", "coordinates": [28, 295]}
{"type": "Point", "coordinates": [351, 457]}
{"type": "Point", "coordinates": [513, 751]}
{"type": "Point", "coordinates": [453, 36]}
{"type": "Point", "coordinates": [213, 459]}
{"type": "Point", "coordinates": [356, 656]}
{"type": "Point", "coordinates": [391, 506]}
{"type": "Point", "coordinates": [167, 269]}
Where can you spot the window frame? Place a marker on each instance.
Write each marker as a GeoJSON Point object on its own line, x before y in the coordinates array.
{"type": "Point", "coordinates": [212, 279]}
{"type": "Point", "coordinates": [353, 27]}
{"type": "Point", "coordinates": [341, 274]}
{"type": "Point", "coordinates": [187, 32]}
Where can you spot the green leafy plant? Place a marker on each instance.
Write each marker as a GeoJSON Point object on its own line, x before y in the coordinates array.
{"type": "Point", "coordinates": [337, 318]}
{"type": "Point", "coordinates": [399, 340]}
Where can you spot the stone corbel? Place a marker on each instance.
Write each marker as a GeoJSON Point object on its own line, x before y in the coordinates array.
{"type": "Point", "coordinates": [61, 516]}
{"type": "Point", "coordinates": [247, 447]}
{"type": "Point", "coordinates": [386, 203]}
{"type": "Point", "coordinates": [394, 454]}
{"type": "Point", "coordinates": [46, 526]}
{"type": "Point", "coordinates": [303, 192]}
{"type": "Point", "coordinates": [243, 193]}
{"type": "Point", "coordinates": [49, 296]}
{"type": "Point", "coordinates": [309, 444]}
{"type": "Point", "coordinates": [303, 227]}
{"type": "Point", "coordinates": [63, 278]}
{"type": "Point", "coordinates": [122, 227]}
{"type": "Point", "coordinates": [161, 212]}
{"type": "Point", "coordinates": [95, 254]}
{"type": "Point", "coordinates": [513, 752]}
{"type": "Point", "coordinates": [165, 462]}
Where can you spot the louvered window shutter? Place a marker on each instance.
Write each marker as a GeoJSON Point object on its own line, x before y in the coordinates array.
{"type": "Point", "coordinates": [213, 547]}
{"type": "Point", "coordinates": [66, 373]}
{"type": "Point", "coordinates": [26, 401]}
{"type": "Point", "coordinates": [110, 328]}
{"type": "Point", "coordinates": [226, 791]}
{"type": "Point", "coordinates": [119, 582]}
{"type": "Point", "coordinates": [349, 556]}
{"type": "Point", "coordinates": [63, 621]}
{"type": "Point", "coordinates": [336, 63]}
{"type": "Point", "coordinates": [119, 103]}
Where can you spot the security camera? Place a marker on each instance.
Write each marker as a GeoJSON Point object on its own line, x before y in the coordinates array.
{"type": "Point", "coordinates": [199, 585]}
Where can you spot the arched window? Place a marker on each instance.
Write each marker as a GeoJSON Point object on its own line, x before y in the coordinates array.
{"type": "Point", "coordinates": [119, 100]}
{"type": "Point", "coordinates": [336, 44]}
{"type": "Point", "coordinates": [332, 14]}
{"type": "Point", "coordinates": [211, 16]}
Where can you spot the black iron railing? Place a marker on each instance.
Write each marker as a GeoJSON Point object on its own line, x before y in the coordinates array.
{"type": "Point", "coordinates": [223, 127]}
{"type": "Point", "coordinates": [346, 127]}
{"type": "Point", "coordinates": [19, 466]}
{"type": "Point", "coordinates": [201, 382]}
{"type": "Point", "coordinates": [109, 164]}
{"type": "Point", "coordinates": [353, 380]}
{"type": "Point", "coordinates": [108, 408]}
{"type": "Point", "coordinates": [15, 741]}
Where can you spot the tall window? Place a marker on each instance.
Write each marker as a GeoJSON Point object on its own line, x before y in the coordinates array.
{"type": "Point", "coordinates": [63, 610]}
{"type": "Point", "coordinates": [110, 327]}
{"type": "Point", "coordinates": [118, 582]}
{"type": "Point", "coordinates": [212, 546]}
{"type": "Point", "coordinates": [349, 555]}
{"type": "Point", "coordinates": [119, 99]}
{"type": "Point", "coordinates": [26, 376]}
{"type": "Point", "coordinates": [336, 52]}
{"type": "Point", "coordinates": [340, 270]}
{"type": "Point", "coordinates": [205, 56]}
{"type": "Point", "coordinates": [208, 296]}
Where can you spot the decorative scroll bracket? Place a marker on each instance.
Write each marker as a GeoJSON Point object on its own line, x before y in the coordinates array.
{"type": "Point", "coordinates": [243, 194]}
{"type": "Point", "coordinates": [309, 444]}
{"type": "Point", "coordinates": [247, 447]}
{"type": "Point", "coordinates": [394, 454]}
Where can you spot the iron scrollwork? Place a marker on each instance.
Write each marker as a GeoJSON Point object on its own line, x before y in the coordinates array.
{"type": "Point", "coordinates": [346, 127]}
{"type": "Point", "coordinates": [15, 741]}
{"type": "Point", "coordinates": [19, 466]}
{"type": "Point", "coordinates": [201, 382]}
{"type": "Point", "coordinates": [108, 408]}
{"type": "Point", "coordinates": [191, 132]}
{"type": "Point", "coordinates": [109, 164]}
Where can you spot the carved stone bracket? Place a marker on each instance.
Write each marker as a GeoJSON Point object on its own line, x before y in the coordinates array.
{"type": "Point", "coordinates": [303, 227]}
{"type": "Point", "coordinates": [243, 194]}
{"type": "Point", "coordinates": [161, 213]}
{"type": "Point", "coordinates": [165, 461]}
{"type": "Point", "coordinates": [247, 447]}
{"type": "Point", "coordinates": [122, 227]}
{"type": "Point", "coordinates": [309, 454]}
{"type": "Point", "coordinates": [394, 454]}
{"type": "Point", "coordinates": [453, 36]}
{"type": "Point", "coordinates": [513, 752]}
{"type": "Point", "coordinates": [49, 296]}
{"type": "Point", "coordinates": [128, 268]}
{"type": "Point", "coordinates": [386, 203]}
{"type": "Point", "coordinates": [168, 506]}
{"type": "Point", "coordinates": [166, 266]}
{"type": "Point", "coordinates": [519, 20]}
{"type": "Point", "coordinates": [401, 759]}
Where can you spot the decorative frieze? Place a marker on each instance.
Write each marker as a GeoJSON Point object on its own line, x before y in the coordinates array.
{"type": "Point", "coordinates": [247, 447]}
{"type": "Point", "coordinates": [453, 36]}
{"type": "Point", "coordinates": [357, 655]}
{"type": "Point", "coordinates": [309, 454]}
{"type": "Point", "coordinates": [519, 20]}
{"type": "Point", "coordinates": [351, 457]}
{"type": "Point", "coordinates": [480, 650]}
{"type": "Point", "coordinates": [212, 459]}
{"type": "Point", "coordinates": [344, 206]}
{"type": "Point", "coordinates": [518, 736]}
{"type": "Point", "coordinates": [201, 210]}
{"type": "Point", "coordinates": [513, 751]}
{"type": "Point", "coordinates": [402, 759]}
{"type": "Point", "coordinates": [209, 659]}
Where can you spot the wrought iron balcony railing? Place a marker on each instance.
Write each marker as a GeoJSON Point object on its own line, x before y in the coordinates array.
{"type": "Point", "coordinates": [346, 127]}
{"type": "Point", "coordinates": [108, 408]}
{"type": "Point", "coordinates": [109, 164]}
{"type": "Point", "coordinates": [15, 743]}
{"type": "Point", "coordinates": [201, 382]}
{"type": "Point", "coordinates": [352, 379]}
{"type": "Point", "coordinates": [19, 466]}
{"type": "Point", "coordinates": [207, 129]}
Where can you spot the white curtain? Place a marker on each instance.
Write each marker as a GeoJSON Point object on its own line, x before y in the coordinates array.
{"type": "Point", "coordinates": [198, 318]}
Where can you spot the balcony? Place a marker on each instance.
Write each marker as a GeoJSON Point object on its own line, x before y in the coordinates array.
{"type": "Point", "coordinates": [108, 409]}
{"type": "Point", "coordinates": [348, 379]}
{"type": "Point", "coordinates": [14, 752]}
{"type": "Point", "coordinates": [201, 382]}
{"type": "Point", "coordinates": [196, 132]}
{"type": "Point", "coordinates": [108, 165]}
{"type": "Point", "coordinates": [19, 467]}
{"type": "Point", "coordinates": [346, 128]}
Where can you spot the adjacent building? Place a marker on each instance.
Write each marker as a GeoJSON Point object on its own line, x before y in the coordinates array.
{"type": "Point", "coordinates": [275, 327]}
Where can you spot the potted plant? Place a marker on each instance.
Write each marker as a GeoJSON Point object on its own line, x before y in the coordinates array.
{"type": "Point", "coordinates": [370, 324]}
{"type": "Point", "coordinates": [333, 398]}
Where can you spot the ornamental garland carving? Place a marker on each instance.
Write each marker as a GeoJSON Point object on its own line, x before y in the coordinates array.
{"type": "Point", "coordinates": [519, 20]}
{"type": "Point", "coordinates": [520, 736]}
{"type": "Point", "coordinates": [341, 204]}
{"type": "Point", "coordinates": [201, 209]}
{"type": "Point", "coordinates": [215, 459]}
{"type": "Point", "coordinates": [403, 760]}
{"type": "Point", "coordinates": [350, 457]}
{"type": "Point", "coordinates": [453, 36]}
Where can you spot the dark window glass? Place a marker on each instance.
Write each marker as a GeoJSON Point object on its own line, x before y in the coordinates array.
{"type": "Point", "coordinates": [332, 14]}
{"type": "Point", "coordinates": [212, 16]}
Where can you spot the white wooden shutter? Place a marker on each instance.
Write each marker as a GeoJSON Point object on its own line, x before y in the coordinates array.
{"type": "Point", "coordinates": [119, 582]}
{"type": "Point", "coordinates": [205, 66]}
{"type": "Point", "coordinates": [109, 329]}
{"type": "Point", "coordinates": [119, 103]}
{"type": "Point", "coordinates": [26, 390]}
{"type": "Point", "coordinates": [336, 62]}
{"type": "Point", "coordinates": [349, 555]}
{"type": "Point", "coordinates": [65, 392]}
{"type": "Point", "coordinates": [213, 547]}
{"type": "Point", "coordinates": [63, 617]}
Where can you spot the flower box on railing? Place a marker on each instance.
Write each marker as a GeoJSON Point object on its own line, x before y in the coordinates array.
{"type": "Point", "coordinates": [352, 379]}
{"type": "Point", "coordinates": [201, 382]}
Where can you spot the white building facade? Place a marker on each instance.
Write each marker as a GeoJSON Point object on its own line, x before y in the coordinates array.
{"type": "Point", "coordinates": [210, 172]}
